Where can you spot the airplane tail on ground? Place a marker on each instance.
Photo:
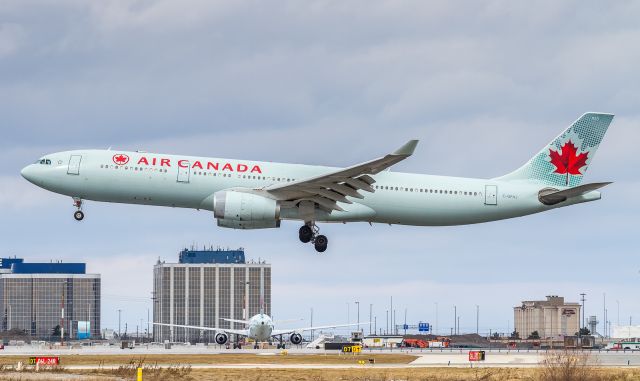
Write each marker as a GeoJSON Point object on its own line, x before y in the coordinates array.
{"type": "Point", "coordinates": [565, 160]}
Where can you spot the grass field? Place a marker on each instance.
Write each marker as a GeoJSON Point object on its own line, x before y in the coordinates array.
{"type": "Point", "coordinates": [220, 359]}
{"type": "Point", "coordinates": [408, 374]}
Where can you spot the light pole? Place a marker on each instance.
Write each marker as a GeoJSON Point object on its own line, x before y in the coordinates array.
{"type": "Point", "coordinates": [119, 312]}
{"type": "Point", "coordinates": [386, 329]}
{"type": "Point", "coordinates": [358, 305]}
{"type": "Point", "coordinates": [370, 315]}
{"type": "Point", "coordinates": [455, 319]}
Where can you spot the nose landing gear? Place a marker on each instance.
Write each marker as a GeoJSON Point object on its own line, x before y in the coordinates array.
{"type": "Point", "coordinates": [78, 215]}
{"type": "Point", "coordinates": [309, 233]}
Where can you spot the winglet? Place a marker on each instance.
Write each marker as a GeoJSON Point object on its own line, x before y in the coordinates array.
{"type": "Point", "coordinates": [407, 149]}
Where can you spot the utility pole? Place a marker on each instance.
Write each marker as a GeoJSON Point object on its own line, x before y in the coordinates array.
{"type": "Point", "coordinates": [477, 319]}
{"type": "Point", "coordinates": [604, 312]}
{"type": "Point", "coordinates": [391, 313]}
{"type": "Point", "coordinates": [405, 321]}
{"type": "Point", "coordinates": [395, 329]}
{"type": "Point", "coordinates": [583, 322]}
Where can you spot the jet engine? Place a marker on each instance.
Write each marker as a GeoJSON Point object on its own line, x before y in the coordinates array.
{"type": "Point", "coordinates": [222, 338]}
{"type": "Point", "coordinates": [295, 338]}
{"type": "Point", "coordinates": [241, 210]}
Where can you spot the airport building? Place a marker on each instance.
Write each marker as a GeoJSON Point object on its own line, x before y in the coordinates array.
{"type": "Point", "coordinates": [204, 288]}
{"type": "Point", "coordinates": [552, 317]}
{"type": "Point", "coordinates": [38, 297]}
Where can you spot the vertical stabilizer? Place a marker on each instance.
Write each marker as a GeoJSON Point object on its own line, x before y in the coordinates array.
{"type": "Point", "coordinates": [565, 160]}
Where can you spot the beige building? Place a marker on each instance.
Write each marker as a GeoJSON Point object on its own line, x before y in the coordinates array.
{"type": "Point", "coordinates": [551, 318]}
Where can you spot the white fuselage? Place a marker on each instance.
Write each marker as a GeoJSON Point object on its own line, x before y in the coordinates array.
{"type": "Point", "coordinates": [190, 182]}
{"type": "Point", "coordinates": [260, 328]}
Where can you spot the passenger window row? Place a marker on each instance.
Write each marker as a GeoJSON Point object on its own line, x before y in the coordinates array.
{"type": "Point", "coordinates": [423, 190]}
{"type": "Point", "coordinates": [127, 168]}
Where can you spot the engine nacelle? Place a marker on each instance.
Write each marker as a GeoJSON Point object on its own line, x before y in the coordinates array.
{"type": "Point", "coordinates": [295, 338]}
{"type": "Point", "coordinates": [240, 210]}
{"type": "Point", "coordinates": [221, 338]}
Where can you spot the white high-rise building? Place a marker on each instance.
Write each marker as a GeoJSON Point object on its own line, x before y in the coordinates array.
{"type": "Point", "coordinates": [204, 288]}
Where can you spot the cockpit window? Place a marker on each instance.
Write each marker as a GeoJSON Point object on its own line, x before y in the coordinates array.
{"type": "Point", "coordinates": [44, 161]}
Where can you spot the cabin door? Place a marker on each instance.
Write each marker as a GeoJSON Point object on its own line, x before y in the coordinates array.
{"type": "Point", "coordinates": [491, 195]}
{"type": "Point", "coordinates": [74, 165]}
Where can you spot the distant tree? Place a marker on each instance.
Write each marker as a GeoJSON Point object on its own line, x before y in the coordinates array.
{"type": "Point", "coordinates": [534, 335]}
{"type": "Point", "coordinates": [495, 336]}
{"type": "Point", "coordinates": [515, 335]}
{"type": "Point", "coordinates": [584, 331]}
{"type": "Point", "coordinates": [55, 332]}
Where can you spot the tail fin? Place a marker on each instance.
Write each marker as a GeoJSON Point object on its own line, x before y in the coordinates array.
{"type": "Point", "coordinates": [565, 160]}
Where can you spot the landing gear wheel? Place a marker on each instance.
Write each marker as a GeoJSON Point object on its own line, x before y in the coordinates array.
{"type": "Point", "coordinates": [320, 243]}
{"type": "Point", "coordinates": [78, 215]}
{"type": "Point", "coordinates": [256, 346]}
{"type": "Point", "coordinates": [305, 234]}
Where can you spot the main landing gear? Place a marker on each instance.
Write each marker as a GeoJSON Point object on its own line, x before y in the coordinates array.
{"type": "Point", "coordinates": [78, 215]}
{"type": "Point", "coordinates": [309, 233]}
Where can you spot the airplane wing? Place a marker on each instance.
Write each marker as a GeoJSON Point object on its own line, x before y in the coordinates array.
{"type": "Point", "coordinates": [241, 332]}
{"type": "Point", "coordinates": [329, 189]}
{"type": "Point", "coordinates": [277, 332]}
{"type": "Point", "coordinates": [237, 321]}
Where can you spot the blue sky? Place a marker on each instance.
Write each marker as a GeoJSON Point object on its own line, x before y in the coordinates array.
{"type": "Point", "coordinates": [483, 85]}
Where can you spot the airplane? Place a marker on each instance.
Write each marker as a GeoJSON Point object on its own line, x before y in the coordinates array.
{"type": "Point", "coordinates": [260, 328]}
{"type": "Point", "coordinates": [244, 194]}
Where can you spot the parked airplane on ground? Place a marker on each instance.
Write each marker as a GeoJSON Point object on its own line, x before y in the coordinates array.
{"type": "Point", "coordinates": [260, 329]}
{"type": "Point", "coordinates": [254, 195]}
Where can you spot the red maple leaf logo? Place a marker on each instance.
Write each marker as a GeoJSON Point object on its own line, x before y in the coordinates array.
{"type": "Point", "coordinates": [120, 159]}
{"type": "Point", "coordinates": [568, 162]}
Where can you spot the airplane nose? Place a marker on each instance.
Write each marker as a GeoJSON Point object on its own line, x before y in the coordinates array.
{"type": "Point", "coordinates": [27, 172]}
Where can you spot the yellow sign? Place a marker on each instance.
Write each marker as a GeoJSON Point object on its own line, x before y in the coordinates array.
{"type": "Point", "coordinates": [352, 349]}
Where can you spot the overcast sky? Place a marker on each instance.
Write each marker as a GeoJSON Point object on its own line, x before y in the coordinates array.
{"type": "Point", "coordinates": [483, 85]}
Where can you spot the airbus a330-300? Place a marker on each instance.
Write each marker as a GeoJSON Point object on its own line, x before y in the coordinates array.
{"type": "Point", "coordinates": [256, 195]}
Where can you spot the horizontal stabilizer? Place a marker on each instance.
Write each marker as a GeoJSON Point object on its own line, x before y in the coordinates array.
{"type": "Point", "coordinates": [550, 196]}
